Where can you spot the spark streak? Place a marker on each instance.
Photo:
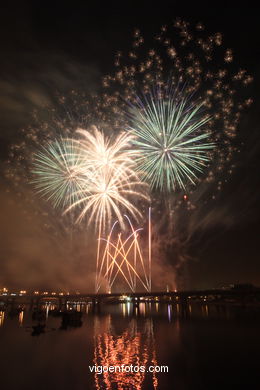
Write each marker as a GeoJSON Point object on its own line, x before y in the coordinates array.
{"type": "Point", "coordinates": [125, 257]}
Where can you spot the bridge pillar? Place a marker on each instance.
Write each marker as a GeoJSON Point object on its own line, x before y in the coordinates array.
{"type": "Point", "coordinates": [136, 305]}
{"type": "Point", "coordinates": [95, 304]}
{"type": "Point", "coordinates": [31, 304]}
{"type": "Point", "coordinates": [62, 303]}
{"type": "Point", "coordinates": [12, 303]}
{"type": "Point", "coordinates": [184, 306]}
{"type": "Point", "coordinates": [37, 302]}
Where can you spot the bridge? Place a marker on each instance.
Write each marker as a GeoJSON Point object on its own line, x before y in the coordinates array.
{"type": "Point", "coordinates": [236, 296]}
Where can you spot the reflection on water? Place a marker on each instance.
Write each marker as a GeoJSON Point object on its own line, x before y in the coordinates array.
{"type": "Point", "coordinates": [205, 310]}
{"type": "Point", "coordinates": [21, 314]}
{"type": "Point", "coordinates": [129, 347]}
{"type": "Point", "coordinates": [2, 317]}
{"type": "Point", "coordinates": [169, 312]}
{"type": "Point", "coordinates": [205, 346]}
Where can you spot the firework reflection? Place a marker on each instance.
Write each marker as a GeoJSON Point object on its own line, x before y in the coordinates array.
{"type": "Point", "coordinates": [129, 347]}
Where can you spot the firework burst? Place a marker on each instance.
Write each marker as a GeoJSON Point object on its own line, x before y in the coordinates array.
{"type": "Point", "coordinates": [59, 170]}
{"type": "Point", "coordinates": [94, 175]}
{"type": "Point", "coordinates": [111, 180]}
{"type": "Point", "coordinates": [108, 155]}
{"type": "Point", "coordinates": [170, 134]}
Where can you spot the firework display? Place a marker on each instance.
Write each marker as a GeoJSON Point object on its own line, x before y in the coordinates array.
{"type": "Point", "coordinates": [169, 115]}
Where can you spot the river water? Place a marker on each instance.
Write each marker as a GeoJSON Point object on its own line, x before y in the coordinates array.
{"type": "Point", "coordinates": [204, 347]}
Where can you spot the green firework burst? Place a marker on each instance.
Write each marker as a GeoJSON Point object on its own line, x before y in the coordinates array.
{"type": "Point", "coordinates": [171, 136]}
{"type": "Point", "coordinates": [59, 171]}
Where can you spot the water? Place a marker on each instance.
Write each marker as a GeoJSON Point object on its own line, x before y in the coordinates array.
{"type": "Point", "coordinates": [204, 346]}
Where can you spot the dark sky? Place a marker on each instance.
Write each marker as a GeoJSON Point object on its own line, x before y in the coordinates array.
{"type": "Point", "coordinates": [58, 47]}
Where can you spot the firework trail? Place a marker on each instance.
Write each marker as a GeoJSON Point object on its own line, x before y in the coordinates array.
{"type": "Point", "coordinates": [124, 256]}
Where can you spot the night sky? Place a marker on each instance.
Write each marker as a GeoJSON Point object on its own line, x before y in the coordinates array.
{"type": "Point", "coordinates": [55, 48]}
